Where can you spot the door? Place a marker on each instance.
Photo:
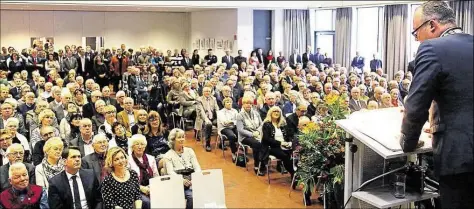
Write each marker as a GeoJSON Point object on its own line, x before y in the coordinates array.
{"type": "Point", "coordinates": [325, 41]}
{"type": "Point", "coordinates": [262, 30]}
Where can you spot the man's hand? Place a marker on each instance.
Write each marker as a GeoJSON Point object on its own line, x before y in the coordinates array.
{"type": "Point", "coordinates": [186, 183]}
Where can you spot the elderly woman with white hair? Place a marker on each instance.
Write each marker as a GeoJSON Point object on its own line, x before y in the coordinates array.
{"type": "Point", "coordinates": [52, 163]}
{"type": "Point", "coordinates": [21, 128]}
{"type": "Point", "coordinates": [12, 125]}
{"type": "Point", "coordinates": [45, 118]}
{"type": "Point", "coordinates": [143, 164]}
{"type": "Point", "coordinates": [181, 160]}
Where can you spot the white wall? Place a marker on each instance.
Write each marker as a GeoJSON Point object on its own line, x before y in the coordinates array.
{"type": "Point", "coordinates": [215, 24]}
{"type": "Point", "coordinates": [162, 30]}
{"type": "Point", "coordinates": [277, 33]}
{"type": "Point", "coordinates": [245, 30]}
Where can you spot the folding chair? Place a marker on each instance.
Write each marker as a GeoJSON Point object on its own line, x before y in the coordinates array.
{"type": "Point", "coordinates": [167, 192]}
{"type": "Point", "coordinates": [244, 149]}
{"type": "Point", "coordinates": [221, 138]}
{"type": "Point", "coordinates": [208, 189]}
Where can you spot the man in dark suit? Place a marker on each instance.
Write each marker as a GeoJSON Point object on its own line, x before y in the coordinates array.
{"type": "Point", "coordinates": [70, 63]}
{"type": "Point", "coordinates": [96, 160]}
{"type": "Point", "coordinates": [15, 153]}
{"type": "Point", "coordinates": [294, 59]}
{"type": "Point", "coordinates": [358, 64]}
{"type": "Point", "coordinates": [106, 96]}
{"type": "Point", "coordinates": [84, 140]}
{"type": "Point", "coordinates": [293, 120]}
{"type": "Point", "coordinates": [318, 58]}
{"type": "Point", "coordinates": [307, 56]}
{"type": "Point", "coordinates": [227, 59]}
{"type": "Point", "coordinates": [448, 82]}
{"type": "Point", "coordinates": [186, 62]}
{"type": "Point", "coordinates": [85, 192]}
{"type": "Point", "coordinates": [210, 58]}
{"type": "Point", "coordinates": [88, 110]}
{"type": "Point", "coordinates": [375, 64]}
{"type": "Point", "coordinates": [239, 59]}
{"type": "Point", "coordinates": [355, 104]}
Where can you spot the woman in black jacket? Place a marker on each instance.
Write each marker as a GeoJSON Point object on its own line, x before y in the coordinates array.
{"type": "Point", "coordinates": [195, 59]}
{"type": "Point", "coordinates": [275, 140]}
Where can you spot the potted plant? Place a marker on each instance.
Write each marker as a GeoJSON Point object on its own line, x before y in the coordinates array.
{"type": "Point", "coordinates": [321, 150]}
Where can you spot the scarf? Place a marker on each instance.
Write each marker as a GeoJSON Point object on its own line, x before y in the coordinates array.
{"type": "Point", "coordinates": [52, 170]}
{"type": "Point", "coordinates": [145, 170]}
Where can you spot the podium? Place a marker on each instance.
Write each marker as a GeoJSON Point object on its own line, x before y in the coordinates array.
{"type": "Point", "coordinates": [373, 155]}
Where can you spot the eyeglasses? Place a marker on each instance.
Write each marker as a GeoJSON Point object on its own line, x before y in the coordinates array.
{"type": "Point", "coordinates": [110, 112]}
{"type": "Point", "coordinates": [49, 134]}
{"type": "Point", "coordinates": [17, 153]}
{"type": "Point", "coordinates": [415, 32]}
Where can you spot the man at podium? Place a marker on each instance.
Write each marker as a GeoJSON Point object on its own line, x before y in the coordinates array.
{"type": "Point", "coordinates": [444, 75]}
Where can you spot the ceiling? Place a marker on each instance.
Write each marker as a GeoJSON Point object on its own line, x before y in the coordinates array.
{"type": "Point", "coordinates": [180, 6]}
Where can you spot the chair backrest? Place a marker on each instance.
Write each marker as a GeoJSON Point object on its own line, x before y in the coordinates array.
{"type": "Point", "coordinates": [208, 189]}
{"type": "Point", "coordinates": [167, 192]}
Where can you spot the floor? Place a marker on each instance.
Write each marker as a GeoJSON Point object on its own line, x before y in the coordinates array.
{"type": "Point", "coordinates": [243, 188]}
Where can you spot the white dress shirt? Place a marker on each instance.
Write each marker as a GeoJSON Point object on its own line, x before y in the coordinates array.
{"type": "Point", "coordinates": [225, 115]}
{"type": "Point", "coordinates": [82, 193]}
{"type": "Point", "coordinates": [131, 118]}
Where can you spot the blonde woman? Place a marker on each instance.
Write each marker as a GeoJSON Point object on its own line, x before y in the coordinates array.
{"type": "Point", "coordinates": [275, 141]}
{"type": "Point", "coordinates": [45, 118]}
{"type": "Point", "coordinates": [121, 188]}
{"type": "Point", "coordinates": [110, 114]}
{"type": "Point", "coordinates": [52, 163]}
{"type": "Point", "coordinates": [144, 164]}
{"type": "Point", "coordinates": [12, 125]}
{"type": "Point", "coordinates": [142, 121]}
{"type": "Point", "coordinates": [181, 160]}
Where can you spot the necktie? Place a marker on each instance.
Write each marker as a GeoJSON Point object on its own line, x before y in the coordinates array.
{"type": "Point", "coordinates": [77, 198]}
{"type": "Point", "coordinates": [358, 103]}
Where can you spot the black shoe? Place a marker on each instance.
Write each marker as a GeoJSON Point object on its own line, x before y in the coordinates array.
{"type": "Point", "coordinates": [208, 148]}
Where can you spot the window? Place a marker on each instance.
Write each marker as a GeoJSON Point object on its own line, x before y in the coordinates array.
{"type": "Point", "coordinates": [325, 20]}
{"type": "Point", "coordinates": [325, 26]}
{"type": "Point", "coordinates": [369, 32]}
{"type": "Point", "coordinates": [413, 44]}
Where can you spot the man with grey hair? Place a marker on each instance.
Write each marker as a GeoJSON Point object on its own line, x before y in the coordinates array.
{"type": "Point", "coordinates": [96, 160]}
{"type": "Point", "coordinates": [441, 78]}
{"type": "Point", "coordinates": [15, 154]}
{"type": "Point", "coordinates": [22, 194]}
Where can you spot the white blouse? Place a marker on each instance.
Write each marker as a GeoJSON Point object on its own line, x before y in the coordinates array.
{"type": "Point", "coordinates": [175, 162]}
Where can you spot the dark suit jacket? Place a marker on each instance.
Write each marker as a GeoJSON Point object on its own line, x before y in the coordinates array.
{"type": "Point", "coordinates": [307, 58]}
{"type": "Point", "coordinates": [110, 101]}
{"type": "Point", "coordinates": [228, 62]}
{"type": "Point", "coordinates": [88, 110]}
{"type": "Point", "coordinates": [442, 78]}
{"type": "Point", "coordinates": [211, 59]}
{"type": "Point", "coordinates": [411, 67]}
{"type": "Point", "coordinates": [374, 64]}
{"type": "Point", "coordinates": [5, 183]}
{"type": "Point", "coordinates": [292, 125]}
{"type": "Point", "coordinates": [60, 194]}
{"type": "Point", "coordinates": [292, 60]}
{"type": "Point", "coordinates": [91, 161]}
{"type": "Point", "coordinates": [78, 142]}
{"type": "Point", "coordinates": [239, 59]}
{"type": "Point", "coordinates": [187, 64]}
{"type": "Point", "coordinates": [359, 63]}
{"type": "Point", "coordinates": [354, 107]}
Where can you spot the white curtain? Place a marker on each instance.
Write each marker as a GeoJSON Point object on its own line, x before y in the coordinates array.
{"type": "Point", "coordinates": [343, 37]}
{"type": "Point", "coordinates": [297, 34]}
{"type": "Point", "coordinates": [395, 39]}
{"type": "Point", "coordinates": [464, 11]}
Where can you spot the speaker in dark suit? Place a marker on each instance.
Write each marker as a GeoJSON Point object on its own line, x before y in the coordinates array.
{"type": "Point", "coordinates": [442, 90]}
{"type": "Point", "coordinates": [186, 62]}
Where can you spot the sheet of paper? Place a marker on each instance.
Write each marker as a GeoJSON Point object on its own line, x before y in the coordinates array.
{"type": "Point", "coordinates": [382, 125]}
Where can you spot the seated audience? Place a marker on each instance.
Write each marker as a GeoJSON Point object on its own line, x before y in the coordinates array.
{"type": "Point", "coordinates": [144, 165]}
{"type": "Point", "coordinates": [22, 194]}
{"type": "Point", "coordinates": [142, 119]}
{"type": "Point", "coordinates": [121, 187]}
{"type": "Point", "coordinates": [15, 154]}
{"type": "Point", "coordinates": [45, 118]}
{"type": "Point", "coordinates": [12, 125]}
{"type": "Point", "coordinates": [275, 140]}
{"type": "Point", "coordinates": [181, 160]}
{"type": "Point", "coordinates": [226, 123]}
{"type": "Point", "coordinates": [248, 126]}
{"type": "Point", "coordinates": [52, 162]}
{"type": "Point", "coordinates": [74, 187]}
{"type": "Point", "coordinates": [119, 138]}
{"type": "Point", "coordinates": [84, 140]}
{"type": "Point", "coordinates": [207, 108]}
{"type": "Point", "coordinates": [96, 160]}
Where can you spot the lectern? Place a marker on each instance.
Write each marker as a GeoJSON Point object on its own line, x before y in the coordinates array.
{"type": "Point", "coordinates": [376, 133]}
